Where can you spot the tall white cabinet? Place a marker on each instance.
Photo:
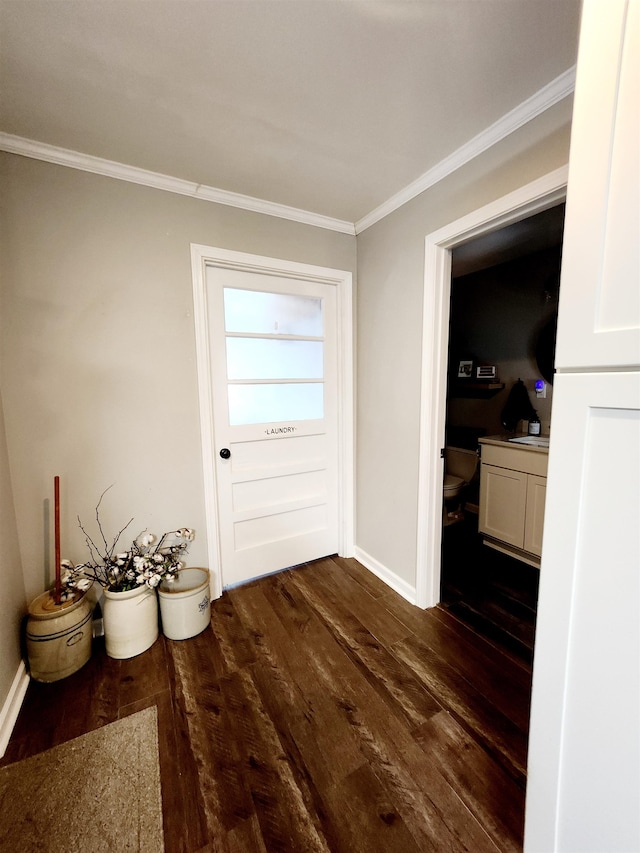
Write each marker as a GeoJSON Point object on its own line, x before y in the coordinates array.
{"type": "Point", "coordinates": [584, 755]}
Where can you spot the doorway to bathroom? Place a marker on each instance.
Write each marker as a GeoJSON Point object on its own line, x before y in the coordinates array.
{"type": "Point", "coordinates": [492, 222]}
{"type": "Point", "coordinates": [502, 320]}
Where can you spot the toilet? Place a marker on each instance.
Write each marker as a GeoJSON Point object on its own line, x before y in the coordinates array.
{"type": "Point", "coordinates": [460, 466]}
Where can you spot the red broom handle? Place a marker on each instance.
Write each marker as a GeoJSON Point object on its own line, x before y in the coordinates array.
{"type": "Point", "coordinates": [56, 488]}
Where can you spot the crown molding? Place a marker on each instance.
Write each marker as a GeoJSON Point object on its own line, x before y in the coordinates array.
{"type": "Point", "coordinates": [122, 172]}
{"type": "Point", "coordinates": [534, 106]}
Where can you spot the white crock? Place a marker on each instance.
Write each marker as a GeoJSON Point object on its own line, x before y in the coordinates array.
{"type": "Point", "coordinates": [185, 604]}
{"type": "Point", "coordinates": [130, 621]}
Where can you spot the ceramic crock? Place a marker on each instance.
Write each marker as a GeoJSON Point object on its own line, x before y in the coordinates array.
{"type": "Point", "coordinates": [185, 604]}
{"type": "Point", "coordinates": [58, 636]}
{"type": "Point", "coordinates": [130, 621]}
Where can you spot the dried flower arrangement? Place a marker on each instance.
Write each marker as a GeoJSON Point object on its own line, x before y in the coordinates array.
{"type": "Point", "coordinates": [148, 560]}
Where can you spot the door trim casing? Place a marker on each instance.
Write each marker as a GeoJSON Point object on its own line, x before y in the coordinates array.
{"type": "Point", "coordinates": [204, 256]}
{"type": "Point", "coordinates": [539, 195]}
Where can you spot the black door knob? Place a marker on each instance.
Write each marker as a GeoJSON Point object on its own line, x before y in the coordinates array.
{"type": "Point", "coordinates": [225, 453]}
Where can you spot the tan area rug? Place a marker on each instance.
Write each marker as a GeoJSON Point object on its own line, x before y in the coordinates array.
{"type": "Point", "coordinates": [99, 792]}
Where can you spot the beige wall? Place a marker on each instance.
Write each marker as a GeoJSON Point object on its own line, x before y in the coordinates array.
{"type": "Point", "coordinates": [389, 319]}
{"type": "Point", "coordinates": [11, 581]}
{"type": "Point", "coordinates": [98, 357]}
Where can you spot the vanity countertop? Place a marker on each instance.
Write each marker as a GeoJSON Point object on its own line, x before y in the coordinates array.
{"type": "Point", "coordinates": [507, 439]}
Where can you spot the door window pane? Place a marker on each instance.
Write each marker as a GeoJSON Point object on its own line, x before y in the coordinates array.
{"type": "Point", "coordinates": [272, 313]}
{"type": "Point", "coordinates": [258, 404]}
{"type": "Point", "coordinates": [261, 358]}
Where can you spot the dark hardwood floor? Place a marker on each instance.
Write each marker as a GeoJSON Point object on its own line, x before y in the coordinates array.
{"type": "Point", "coordinates": [492, 592]}
{"type": "Point", "coordinates": [319, 712]}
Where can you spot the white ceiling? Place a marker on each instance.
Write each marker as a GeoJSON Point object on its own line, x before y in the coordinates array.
{"type": "Point", "coordinates": [330, 106]}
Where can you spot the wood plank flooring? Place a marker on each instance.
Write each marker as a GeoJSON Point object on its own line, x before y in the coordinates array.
{"type": "Point", "coordinates": [319, 712]}
{"type": "Point", "coordinates": [494, 593]}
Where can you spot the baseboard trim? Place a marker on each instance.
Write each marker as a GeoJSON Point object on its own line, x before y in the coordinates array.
{"type": "Point", "coordinates": [12, 705]}
{"type": "Point", "coordinates": [391, 579]}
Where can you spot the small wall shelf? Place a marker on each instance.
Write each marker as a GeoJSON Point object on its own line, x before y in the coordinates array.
{"type": "Point", "coordinates": [470, 388]}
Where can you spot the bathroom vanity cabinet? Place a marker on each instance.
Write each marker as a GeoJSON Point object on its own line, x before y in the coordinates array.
{"type": "Point", "coordinates": [513, 483]}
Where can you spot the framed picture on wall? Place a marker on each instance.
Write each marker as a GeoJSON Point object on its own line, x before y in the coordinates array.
{"type": "Point", "coordinates": [465, 370]}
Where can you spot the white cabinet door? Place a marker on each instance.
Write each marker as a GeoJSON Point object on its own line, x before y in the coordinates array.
{"type": "Point", "coordinates": [503, 498]}
{"type": "Point", "coordinates": [583, 784]}
{"type": "Point", "coordinates": [599, 316]}
{"type": "Point", "coordinates": [534, 521]}
{"type": "Point", "coordinates": [584, 761]}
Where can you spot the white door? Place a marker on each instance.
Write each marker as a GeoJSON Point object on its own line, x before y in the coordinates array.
{"type": "Point", "coordinates": [272, 348]}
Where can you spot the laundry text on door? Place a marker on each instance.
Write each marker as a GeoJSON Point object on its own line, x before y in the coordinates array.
{"type": "Point", "coordinates": [283, 430]}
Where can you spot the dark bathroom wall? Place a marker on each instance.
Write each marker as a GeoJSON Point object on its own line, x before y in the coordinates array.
{"type": "Point", "coordinates": [496, 318]}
